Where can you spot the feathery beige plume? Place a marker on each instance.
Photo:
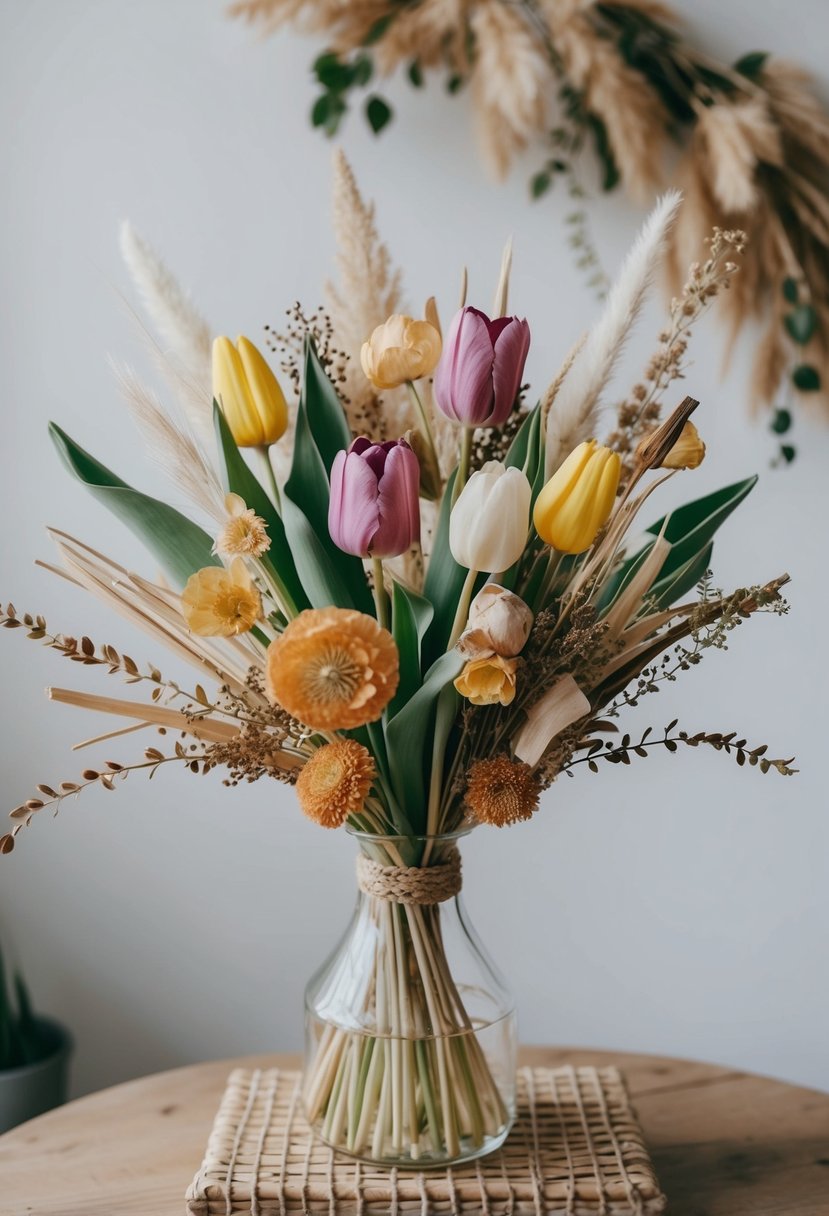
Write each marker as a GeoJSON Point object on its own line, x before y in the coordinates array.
{"type": "Point", "coordinates": [433, 30]}
{"type": "Point", "coordinates": [737, 137]}
{"type": "Point", "coordinates": [574, 414]}
{"type": "Point", "coordinates": [169, 307]}
{"type": "Point", "coordinates": [172, 446]}
{"type": "Point", "coordinates": [630, 109]}
{"type": "Point", "coordinates": [367, 291]}
{"type": "Point", "coordinates": [511, 81]}
{"type": "Point", "coordinates": [185, 341]}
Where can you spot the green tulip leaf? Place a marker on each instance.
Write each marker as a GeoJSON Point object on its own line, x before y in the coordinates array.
{"type": "Point", "coordinates": [692, 526]}
{"type": "Point", "coordinates": [444, 580]}
{"type": "Point", "coordinates": [690, 529]}
{"type": "Point", "coordinates": [408, 734]}
{"type": "Point", "coordinates": [411, 617]}
{"type": "Point", "coordinates": [179, 545]}
{"type": "Point", "coordinates": [323, 409]}
{"type": "Point", "coordinates": [670, 588]}
{"type": "Point", "coordinates": [524, 449]}
{"type": "Point", "coordinates": [239, 479]}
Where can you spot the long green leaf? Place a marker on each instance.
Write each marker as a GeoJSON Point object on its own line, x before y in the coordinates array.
{"type": "Point", "coordinates": [524, 450]}
{"type": "Point", "coordinates": [407, 734]}
{"type": "Point", "coordinates": [323, 409]}
{"type": "Point", "coordinates": [690, 530]}
{"type": "Point", "coordinates": [693, 525]}
{"type": "Point", "coordinates": [328, 575]}
{"type": "Point", "coordinates": [676, 585]}
{"type": "Point", "coordinates": [444, 581]}
{"type": "Point", "coordinates": [180, 546]}
{"type": "Point", "coordinates": [240, 480]}
{"type": "Point", "coordinates": [411, 617]}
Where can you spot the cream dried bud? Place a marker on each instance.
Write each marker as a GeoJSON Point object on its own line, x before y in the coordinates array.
{"type": "Point", "coordinates": [499, 623]}
{"type": "Point", "coordinates": [653, 448]}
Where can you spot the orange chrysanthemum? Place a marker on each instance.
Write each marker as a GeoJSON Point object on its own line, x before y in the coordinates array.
{"type": "Point", "coordinates": [335, 781]}
{"type": "Point", "coordinates": [333, 668]}
{"type": "Point", "coordinates": [501, 791]}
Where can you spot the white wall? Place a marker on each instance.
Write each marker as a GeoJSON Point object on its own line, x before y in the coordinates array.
{"type": "Point", "coordinates": [679, 906]}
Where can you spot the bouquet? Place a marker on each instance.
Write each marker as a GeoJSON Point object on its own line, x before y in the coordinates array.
{"type": "Point", "coordinates": [420, 602]}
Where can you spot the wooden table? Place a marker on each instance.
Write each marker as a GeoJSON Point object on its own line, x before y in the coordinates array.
{"type": "Point", "coordinates": [723, 1142]}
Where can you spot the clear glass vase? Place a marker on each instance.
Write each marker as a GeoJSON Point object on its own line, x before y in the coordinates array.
{"type": "Point", "coordinates": [410, 1043]}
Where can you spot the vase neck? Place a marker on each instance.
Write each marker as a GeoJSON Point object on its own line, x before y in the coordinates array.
{"type": "Point", "coordinates": [432, 883]}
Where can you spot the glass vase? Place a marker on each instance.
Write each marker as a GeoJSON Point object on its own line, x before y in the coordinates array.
{"type": "Point", "coordinates": [410, 1043]}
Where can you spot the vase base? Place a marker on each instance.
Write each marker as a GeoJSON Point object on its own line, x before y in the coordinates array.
{"type": "Point", "coordinates": [427, 1159]}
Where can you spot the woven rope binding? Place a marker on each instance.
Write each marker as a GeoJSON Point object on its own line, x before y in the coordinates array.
{"type": "Point", "coordinates": [411, 884]}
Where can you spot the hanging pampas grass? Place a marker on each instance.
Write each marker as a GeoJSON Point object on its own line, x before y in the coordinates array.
{"type": "Point", "coordinates": [574, 413]}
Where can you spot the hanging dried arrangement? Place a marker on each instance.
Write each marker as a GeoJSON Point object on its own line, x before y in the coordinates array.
{"type": "Point", "coordinates": [621, 80]}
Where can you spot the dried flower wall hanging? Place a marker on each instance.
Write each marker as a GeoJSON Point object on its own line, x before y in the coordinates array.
{"type": "Point", "coordinates": [622, 82]}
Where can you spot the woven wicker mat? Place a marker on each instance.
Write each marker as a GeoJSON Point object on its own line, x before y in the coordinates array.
{"type": "Point", "coordinates": [576, 1149]}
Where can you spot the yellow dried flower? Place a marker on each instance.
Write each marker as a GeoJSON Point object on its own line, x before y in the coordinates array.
{"type": "Point", "coordinates": [488, 681]}
{"type": "Point", "coordinates": [501, 791]}
{"type": "Point", "coordinates": [335, 781]}
{"type": "Point", "coordinates": [400, 349]}
{"type": "Point", "coordinates": [333, 668]}
{"type": "Point", "coordinates": [688, 452]}
{"type": "Point", "coordinates": [219, 603]}
{"type": "Point", "coordinates": [245, 533]}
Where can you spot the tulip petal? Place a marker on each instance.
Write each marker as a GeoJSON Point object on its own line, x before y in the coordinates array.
{"type": "Point", "coordinates": [463, 379]}
{"type": "Point", "coordinates": [398, 504]}
{"type": "Point", "coordinates": [508, 516]}
{"type": "Point", "coordinates": [511, 347]}
{"type": "Point", "coordinates": [230, 387]}
{"type": "Point", "coordinates": [352, 511]}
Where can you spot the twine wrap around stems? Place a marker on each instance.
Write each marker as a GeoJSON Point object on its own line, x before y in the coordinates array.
{"type": "Point", "coordinates": [411, 884]}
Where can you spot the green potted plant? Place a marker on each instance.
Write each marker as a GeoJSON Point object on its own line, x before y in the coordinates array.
{"type": "Point", "coordinates": [34, 1056]}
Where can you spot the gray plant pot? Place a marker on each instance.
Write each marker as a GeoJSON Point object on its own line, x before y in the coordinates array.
{"type": "Point", "coordinates": [36, 1088]}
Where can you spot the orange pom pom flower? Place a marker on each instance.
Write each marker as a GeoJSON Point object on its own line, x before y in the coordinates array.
{"type": "Point", "coordinates": [335, 781]}
{"type": "Point", "coordinates": [501, 791]}
{"type": "Point", "coordinates": [333, 669]}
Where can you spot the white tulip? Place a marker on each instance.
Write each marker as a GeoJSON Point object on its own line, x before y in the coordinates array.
{"type": "Point", "coordinates": [490, 521]}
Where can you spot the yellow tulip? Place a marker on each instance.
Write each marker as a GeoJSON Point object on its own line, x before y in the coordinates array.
{"type": "Point", "coordinates": [577, 500]}
{"type": "Point", "coordinates": [489, 681]}
{"type": "Point", "coordinates": [249, 393]}
{"type": "Point", "coordinates": [400, 349]}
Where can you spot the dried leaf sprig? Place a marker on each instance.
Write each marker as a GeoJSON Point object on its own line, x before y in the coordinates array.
{"type": "Point", "coordinates": [622, 751]}
{"type": "Point", "coordinates": [639, 413]}
{"type": "Point", "coordinates": [111, 772]}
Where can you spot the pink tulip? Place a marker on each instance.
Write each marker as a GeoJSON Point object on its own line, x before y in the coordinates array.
{"type": "Point", "coordinates": [479, 373]}
{"type": "Point", "coordinates": [374, 509]}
